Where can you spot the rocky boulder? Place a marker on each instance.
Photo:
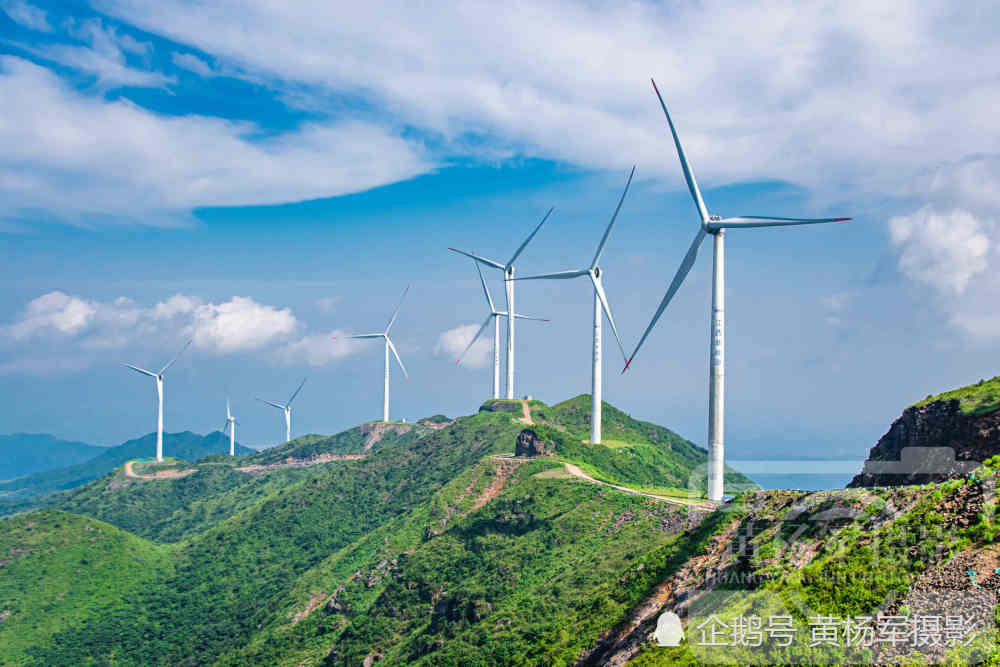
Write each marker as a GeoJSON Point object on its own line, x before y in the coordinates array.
{"type": "Point", "coordinates": [529, 444]}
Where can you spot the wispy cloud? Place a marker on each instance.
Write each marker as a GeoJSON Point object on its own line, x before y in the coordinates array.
{"type": "Point", "coordinates": [452, 343]}
{"type": "Point", "coordinates": [192, 63]}
{"type": "Point", "coordinates": [26, 14]}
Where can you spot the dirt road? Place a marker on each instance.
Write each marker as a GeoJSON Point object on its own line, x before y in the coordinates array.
{"type": "Point", "coordinates": [160, 474]}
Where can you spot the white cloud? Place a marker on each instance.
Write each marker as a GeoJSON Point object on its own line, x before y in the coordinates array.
{"type": "Point", "coordinates": [192, 63]}
{"type": "Point", "coordinates": [319, 349]}
{"type": "Point", "coordinates": [328, 304]}
{"type": "Point", "coordinates": [85, 159]}
{"type": "Point", "coordinates": [237, 325]}
{"type": "Point", "coordinates": [26, 14]}
{"type": "Point", "coordinates": [55, 311]}
{"type": "Point", "coordinates": [943, 250]}
{"type": "Point", "coordinates": [452, 343]}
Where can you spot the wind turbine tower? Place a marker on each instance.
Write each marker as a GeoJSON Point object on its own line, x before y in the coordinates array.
{"type": "Point", "coordinates": [158, 381]}
{"type": "Point", "coordinates": [715, 226]}
{"type": "Point", "coordinates": [389, 346]}
{"type": "Point", "coordinates": [494, 316]}
{"type": "Point", "coordinates": [287, 409]}
{"type": "Point", "coordinates": [231, 425]}
{"type": "Point", "coordinates": [600, 303]}
{"type": "Point", "coordinates": [508, 275]}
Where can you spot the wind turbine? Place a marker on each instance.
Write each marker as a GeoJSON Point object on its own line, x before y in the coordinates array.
{"type": "Point", "coordinates": [508, 272]}
{"type": "Point", "coordinates": [600, 302]}
{"type": "Point", "coordinates": [287, 409]}
{"type": "Point", "coordinates": [716, 226]}
{"type": "Point", "coordinates": [158, 380]}
{"type": "Point", "coordinates": [231, 425]}
{"type": "Point", "coordinates": [389, 346]}
{"type": "Point", "coordinates": [495, 316]}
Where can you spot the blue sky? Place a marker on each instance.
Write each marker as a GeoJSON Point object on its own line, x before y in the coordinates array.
{"type": "Point", "coordinates": [263, 179]}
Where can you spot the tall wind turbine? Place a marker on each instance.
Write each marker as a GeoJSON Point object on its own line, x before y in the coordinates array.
{"type": "Point", "coordinates": [494, 316]}
{"type": "Point", "coordinates": [508, 274]}
{"type": "Point", "coordinates": [231, 425]}
{"type": "Point", "coordinates": [287, 409]}
{"type": "Point", "coordinates": [716, 226]}
{"type": "Point", "coordinates": [158, 380]}
{"type": "Point", "coordinates": [600, 302]}
{"type": "Point", "coordinates": [389, 346]}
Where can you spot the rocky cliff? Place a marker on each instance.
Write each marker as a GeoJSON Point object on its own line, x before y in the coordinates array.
{"type": "Point", "coordinates": [931, 442]}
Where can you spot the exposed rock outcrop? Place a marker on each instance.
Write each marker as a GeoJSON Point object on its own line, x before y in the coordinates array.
{"type": "Point", "coordinates": [529, 444]}
{"type": "Point", "coordinates": [931, 443]}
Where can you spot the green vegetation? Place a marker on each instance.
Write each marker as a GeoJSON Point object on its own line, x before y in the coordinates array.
{"type": "Point", "coordinates": [432, 550]}
{"type": "Point", "coordinates": [57, 570]}
{"type": "Point", "coordinates": [17, 494]}
{"type": "Point", "coordinates": [976, 399]}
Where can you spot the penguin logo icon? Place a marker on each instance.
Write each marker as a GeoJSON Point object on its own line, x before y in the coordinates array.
{"type": "Point", "coordinates": [668, 630]}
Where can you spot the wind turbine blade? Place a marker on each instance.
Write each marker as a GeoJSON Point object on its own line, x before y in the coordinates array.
{"type": "Point", "coordinates": [530, 236]}
{"type": "Point", "coordinates": [746, 221]}
{"type": "Point", "coordinates": [486, 290]}
{"type": "Point", "coordinates": [396, 312]}
{"type": "Point", "coordinates": [607, 232]}
{"type": "Point", "coordinates": [276, 405]}
{"type": "Point", "coordinates": [483, 260]}
{"type": "Point", "coordinates": [171, 362]}
{"type": "Point", "coordinates": [396, 354]}
{"type": "Point", "coordinates": [475, 338]}
{"type": "Point", "coordinates": [296, 392]}
{"type": "Point", "coordinates": [229, 415]}
{"type": "Point", "coordinates": [688, 174]}
{"type": "Point", "coordinates": [607, 310]}
{"type": "Point", "coordinates": [675, 284]}
{"type": "Point", "coordinates": [373, 335]}
{"type": "Point", "coordinates": [528, 317]}
{"type": "Point", "coordinates": [140, 370]}
{"type": "Point", "coordinates": [562, 275]}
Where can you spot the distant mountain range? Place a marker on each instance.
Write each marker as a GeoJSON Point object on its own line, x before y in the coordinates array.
{"type": "Point", "coordinates": [17, 493]}
{"type": "Point", "coordinates": [26, 453]}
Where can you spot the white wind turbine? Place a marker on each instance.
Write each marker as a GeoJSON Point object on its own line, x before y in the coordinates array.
{"type": "Point", "coordinates": [508, 271]}
{"type": "Point", "coordinates": [716, 226]}
{"type": "Point", "coordinates": [158, 380]}
{"type": "Point", "coordinates": [287, 409]}
{"type": "Point", "coordinates": [389, 346]}
{"type": "Point", "coordinates": [600, 302]}
{"type": "Point", "coordinates": [231, 425]}
{"type": "Point", "coordinates": [494, 316]}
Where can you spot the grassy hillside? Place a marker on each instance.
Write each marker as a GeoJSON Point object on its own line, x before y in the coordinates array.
{"type": "Point", "coordinates": [352, 441]}
{"type": "Point", "coordinates": [979, 398]}
{"type": "Point", "coordinates": [25, 453]}
{"type": "Point", "coordinates": [58, 569]}
{"type": "Point", "coordinates": [186, 445]}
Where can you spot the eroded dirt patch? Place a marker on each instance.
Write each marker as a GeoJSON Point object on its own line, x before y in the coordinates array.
{"type": "Point", "coordinates": [292, 462]}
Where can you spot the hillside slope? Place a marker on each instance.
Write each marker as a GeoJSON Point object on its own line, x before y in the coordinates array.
{"type": "Point", "coordinates": [25, 453]}
{"type": "Point", "coordinates": [185, 445]}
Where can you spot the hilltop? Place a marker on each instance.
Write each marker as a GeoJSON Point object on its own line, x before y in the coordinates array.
{"type": "Point", "coordinates": [17, 493]}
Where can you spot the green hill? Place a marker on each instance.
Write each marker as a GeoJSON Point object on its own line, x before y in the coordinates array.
{"type": "Point", "coordinates": [58, 570]}
{"type": "Point", "coordinates": [438, 548]}
{"type": "Point", "coordinates": [25, 453]}
{"type": "Point", "coordinates": [975, 399]}
{"type": "Point", "coordinates": [186, 445]}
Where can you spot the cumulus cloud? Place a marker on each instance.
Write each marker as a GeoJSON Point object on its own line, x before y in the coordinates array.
{"type": "Point", "coordinates": [943, 250]}
{"type": "Point", "coordinates": [26, 14]}
{"type": "Point", "coordinates": [85, 159]}
{"type": "Point", "coordinates": [237, 325]}
{"type": "Point", "coordinates": [452, 343]}
{"type": "Point", "coordinates": [318, 349]}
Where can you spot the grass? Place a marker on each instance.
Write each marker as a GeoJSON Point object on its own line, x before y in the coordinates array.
{"type": "Point", "coordinates": [976, 399]}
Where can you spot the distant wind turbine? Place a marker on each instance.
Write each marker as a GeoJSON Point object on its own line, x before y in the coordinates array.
{"type": "Point", "coordinates": [508, 271]}
{"type": "Point", "coordinates": [389, 346]}
{"type": "Point", "coordinates": [494, 316]}
{"type": "Point", "coordinates": [287, 409]}
{"type": "Point", "coordinates": [716, 226]}
{"type": "Point", "coordinates": [158, 379]}
{"type": "Point", "coordinates": [600, 302]}
{"type": "Point", "coordinates": [231, 425]}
